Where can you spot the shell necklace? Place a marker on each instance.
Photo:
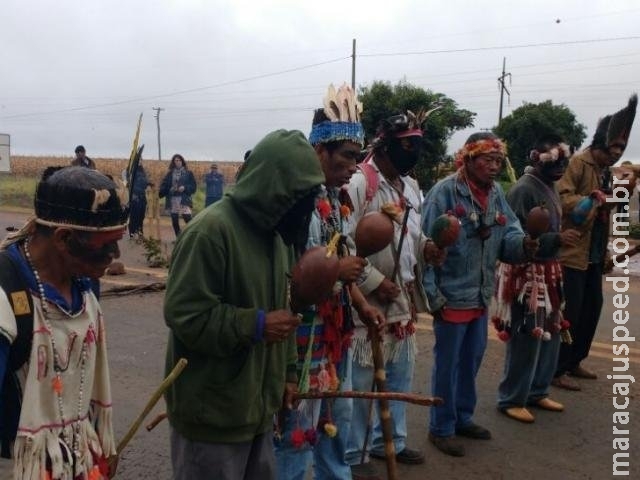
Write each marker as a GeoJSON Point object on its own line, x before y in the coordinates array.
{"type": "Point", "coordinates": [56, 383]}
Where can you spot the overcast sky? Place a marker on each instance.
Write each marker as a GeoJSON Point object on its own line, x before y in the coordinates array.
{"type": "Point", "coordinates": [228, 72]}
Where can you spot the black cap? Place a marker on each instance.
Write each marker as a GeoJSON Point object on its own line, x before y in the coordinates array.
{"type": "Point", "coordinates": [60, 200]}
{"type": "Point", "coordinates": [80, 148]}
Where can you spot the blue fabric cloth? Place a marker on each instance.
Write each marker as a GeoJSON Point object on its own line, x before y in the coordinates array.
{"type": "Point", "coordinates": [458, 353]}
{"type": "Point", "coordinates": [327, 131]}
{"type": "Point", "coordinates": [399, 376]}
{"type": "Point", "coordinates": [140, 183]}
{"type": "Point", "coordinates": [466, 280]}
{"type": "Point", "coordinates": [78, 287]}
{"type": "Point", "coordinates": [530, 364]}
{"type": "Point", "coordinates": [214, 183]}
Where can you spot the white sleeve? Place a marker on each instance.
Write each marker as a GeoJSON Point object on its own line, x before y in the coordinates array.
{"type": "Point", "coordinates": [8, 327]}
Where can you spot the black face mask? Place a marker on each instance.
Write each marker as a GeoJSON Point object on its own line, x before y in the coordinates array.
{"type": "Point", "coordinates": [293, 227]}
{"type": "Point", "coordinates": [404, 159]}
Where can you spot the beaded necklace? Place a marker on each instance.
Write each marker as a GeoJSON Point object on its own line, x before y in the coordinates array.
{"type": "Point", "coordinates": [330, 223]}
{"type": "Point", "coordinates": [56, 383]}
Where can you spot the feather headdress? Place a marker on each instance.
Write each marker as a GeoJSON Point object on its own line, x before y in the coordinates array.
{"type": "Point", "coordinates": [343, 110]}
{"type": "Point", "coordinates": [342, 105]}
{"type": "Point", "coordinates": [616, 127]}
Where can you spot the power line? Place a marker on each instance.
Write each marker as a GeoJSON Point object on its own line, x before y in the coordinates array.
{"type": "Point", "coordinates": [179, 92]}
{"type": "Point", "coordinates": [501, 47]}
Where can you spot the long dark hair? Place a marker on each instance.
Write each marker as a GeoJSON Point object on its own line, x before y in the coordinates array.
{"type": "Point", "coordinates": [172, 165]}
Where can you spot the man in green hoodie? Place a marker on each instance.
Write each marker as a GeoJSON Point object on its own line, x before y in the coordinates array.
{"type": "Point", "coordinates": [227, 307]}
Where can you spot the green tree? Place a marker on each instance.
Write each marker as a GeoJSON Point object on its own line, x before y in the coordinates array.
{"type": "Point", "coordinates": [381, 100]}
{"type": "Point", "coordinates": [531, 121]}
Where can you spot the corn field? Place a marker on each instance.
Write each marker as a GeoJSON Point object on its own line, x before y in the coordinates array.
{"type": "Point", "coordinates": [25, 166]}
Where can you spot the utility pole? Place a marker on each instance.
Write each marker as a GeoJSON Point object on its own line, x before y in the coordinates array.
{"type": "Point", "coordinates": [502, 87]}
{"type": "Point", "coordinates": [158, 110]}
{"type": "Point", "coordinates": [353, 65]}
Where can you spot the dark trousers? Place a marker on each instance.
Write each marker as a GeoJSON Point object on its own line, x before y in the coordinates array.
{"type": "Point", "coordinates": [175, 222]}
{"type": "Point", "coordinates": [137, 213]}
{"type": "Point", "coordinates": [253, 460]}
{"type": "Point", "coordinates": [583, 291]}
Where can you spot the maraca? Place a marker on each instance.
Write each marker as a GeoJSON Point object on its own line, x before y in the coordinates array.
{"type": "Point", "coordinates": [373, 233]}
{"type": "Point", "coordinates": [538, 221]}
{"type": "Point", "coordinates": [314, 275]}
{"type": "Point", "coordinates": [445, 230]}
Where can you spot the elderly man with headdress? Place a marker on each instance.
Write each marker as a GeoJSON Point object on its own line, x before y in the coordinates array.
{"type": "Point", "coordinates": [460, 290]}
{"type": "Point", "coordinates": [56, 412]}
{"type": "Point", "coordinates": [390, 282]}
{"type": "Point", "coordinates": [587, 183]}
{"type": "Point", "coordinates": [529, 296]}
{"type": "Point", "coordinates": [316, 431]}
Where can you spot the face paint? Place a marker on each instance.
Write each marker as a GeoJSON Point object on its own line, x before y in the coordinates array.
{"type": "Point", "coordinates": [96, 247]}
{"type": "Point", "coordinates": [404, 153]}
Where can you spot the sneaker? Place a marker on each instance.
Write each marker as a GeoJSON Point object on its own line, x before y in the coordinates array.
{"type": "Point", "coordinates": [448, 445]}
{"type": "Point", "coordinates": [581, 372]}
{"type": "Point", "coordinates": [364, 471]}
{"type": "Point", "coordinates": [565, 382]}
{"type": "Point", "coordinates": [518, 413]}
{"type": "Point", "coordinates": [548, 404]}
{"type": "Point", "coordinates": [406, 456]}
{"type": "Point", "coordinates": [474, 431]}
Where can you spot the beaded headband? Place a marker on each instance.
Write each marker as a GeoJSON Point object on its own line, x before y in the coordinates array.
{"type": "Point", "coordinates": [343, 109]}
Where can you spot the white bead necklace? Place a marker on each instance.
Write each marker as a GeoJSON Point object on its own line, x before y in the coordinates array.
{"type": "Point", "coordinates": [56, 383]}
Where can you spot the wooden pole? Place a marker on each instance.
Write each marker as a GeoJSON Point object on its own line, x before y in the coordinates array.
{"type": "Point", "coordinates": [413, 398]}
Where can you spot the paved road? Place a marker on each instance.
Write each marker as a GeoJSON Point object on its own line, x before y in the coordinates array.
{"type": "Point", "coordinates": [576, 444]}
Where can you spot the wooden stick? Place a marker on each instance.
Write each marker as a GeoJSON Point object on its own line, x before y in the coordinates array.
{"type": "Point", "coordinates": [154, 423]}
{"type": "Point", "coordinates": [166, 383]}
{"type": "Point", "coordinates": [396, 396]}
{"type": "Point", "coordinates": [386, 422]}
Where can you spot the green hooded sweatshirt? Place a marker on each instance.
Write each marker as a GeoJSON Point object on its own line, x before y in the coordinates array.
{"type": "Point", "coordinates": [227, 264]}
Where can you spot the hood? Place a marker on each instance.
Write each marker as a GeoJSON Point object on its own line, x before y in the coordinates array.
{"type": "Point", "coordinates": [282, 168]}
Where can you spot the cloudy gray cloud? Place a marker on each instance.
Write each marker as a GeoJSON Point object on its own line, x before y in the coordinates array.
{"type": "Point", "coordinates": [227, 72]}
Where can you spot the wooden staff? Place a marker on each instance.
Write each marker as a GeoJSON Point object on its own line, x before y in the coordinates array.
{"type": "Point", "coordinates": [379, 375]}
{"type": "Point", "coordinates": [386, 422]}
{"type": "Point", "coordinates": [413, 398]}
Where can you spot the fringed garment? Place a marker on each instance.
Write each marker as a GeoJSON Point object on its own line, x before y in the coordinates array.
{"type": "Point", "coordinates": [44, 447]}
{"type": "Point", "coordinates": [538, 286]}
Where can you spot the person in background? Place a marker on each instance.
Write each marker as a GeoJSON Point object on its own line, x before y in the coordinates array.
{"type": "Point", "coordinates": [81, 159]}
{"type": "Point", "coordinates": [229, 315]}
{"type": "Point", "coordinates": [214, 185]}
{"type": "Point", "coordinates": [138, 202]}
{"type": "Point", "coordinates": [177, 186]}
{"type": "Point", "coordinates": [56, 413]}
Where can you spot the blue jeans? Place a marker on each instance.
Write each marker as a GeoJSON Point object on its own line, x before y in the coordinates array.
{"type": "Point", "coordinates": [399, 375]}
{"type": "Point", "coordinates": [458, 353]}
{"type": "Point", "coordinates": [327, 455]}
{"type": "Point", "coordinates": [529, 364]}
